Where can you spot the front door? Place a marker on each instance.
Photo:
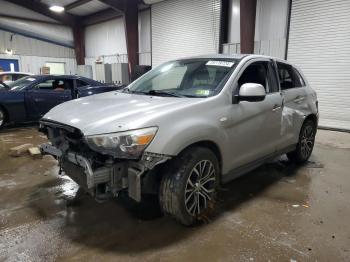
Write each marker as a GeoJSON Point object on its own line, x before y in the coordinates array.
{"type": "Point", "coordinates": [46, 95]}
{"type": "Point", "coordinates": [255, 126]}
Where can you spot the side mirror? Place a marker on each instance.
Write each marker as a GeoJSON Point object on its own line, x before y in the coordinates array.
{"type": "Point", "coordinates": [251, 92]}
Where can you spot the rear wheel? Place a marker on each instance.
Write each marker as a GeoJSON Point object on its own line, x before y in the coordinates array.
{"type": "Point", "coordinates": [2, 117]}
{"type": "Point", "coordinates": [188, 188]}
{"type": "Point", "coordinates": [305, 144]}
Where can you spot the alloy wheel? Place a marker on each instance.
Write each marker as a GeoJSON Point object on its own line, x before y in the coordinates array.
{"type": "Point", "coordinates": [307, 141]}
{"type": "Point", "coordinates": [2, 118]}
{"type": "Point", "coordinates": [200, 187]}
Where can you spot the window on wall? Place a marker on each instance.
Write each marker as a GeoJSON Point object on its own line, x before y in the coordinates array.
{"type": "Point", "coordinates": [56, 68]}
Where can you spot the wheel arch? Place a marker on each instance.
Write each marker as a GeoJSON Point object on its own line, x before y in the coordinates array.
{"type": "Point", "coordinates": [313, 118]}
{"type": "Point", "coordinates": [207, 144]}
{"type": "Point", "coordinates": [7, 116]}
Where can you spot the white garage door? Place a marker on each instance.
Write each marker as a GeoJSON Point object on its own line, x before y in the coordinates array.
{"type": "Point", "coordinates": [183, 28]}
{"type": "Point", "coordinates": [319, 42]}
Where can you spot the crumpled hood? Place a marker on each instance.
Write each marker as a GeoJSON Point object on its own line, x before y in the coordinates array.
{"type": "Point", "coordinates": [115, 111]}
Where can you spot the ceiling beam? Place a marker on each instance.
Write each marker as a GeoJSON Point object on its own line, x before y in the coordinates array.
{"type": "Point", "coordinates": [64, 18]}
{"type": "Point", "coordinates": [76, 4]}
{"type": "Point", "coordinates": [29, 19]}
{"type": "Point", "coordinates": [247, 20]}
{"type": "Point", "coordinates": [79, 44]}
{"type": "Point", "coordinates": [132, 35]}
{"type": "Point", "coordinates": [99, 17]}
{"type": "Point", "coordinates": [118, 5]}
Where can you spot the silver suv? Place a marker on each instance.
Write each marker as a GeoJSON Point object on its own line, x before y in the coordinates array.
{"type": "Point", "coordinates": [182, 129]}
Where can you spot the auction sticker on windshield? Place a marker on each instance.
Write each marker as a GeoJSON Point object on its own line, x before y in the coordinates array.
{"type": "Point", "coordinates": [220, 63]}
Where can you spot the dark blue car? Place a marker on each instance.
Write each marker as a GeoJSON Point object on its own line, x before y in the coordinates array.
{"type": "Point", "coordinates": [29, 98]}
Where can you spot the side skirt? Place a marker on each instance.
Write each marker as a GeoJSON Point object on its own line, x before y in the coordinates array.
{"type": "Point", "coordinates": [241, 170]}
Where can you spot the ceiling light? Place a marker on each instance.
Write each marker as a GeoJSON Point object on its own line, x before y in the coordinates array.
{"type": "Point", "coordinates": [56, 8]}
{"type": "Point", "coordinates": [9, 51]}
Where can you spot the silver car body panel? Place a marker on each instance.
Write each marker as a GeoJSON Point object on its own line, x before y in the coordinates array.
{"type": "Point", "coordinates": [243, 132]}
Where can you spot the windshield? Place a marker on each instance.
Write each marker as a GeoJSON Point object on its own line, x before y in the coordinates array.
{"type": "Point", "coordinates": [21, 83]}
{"type": "Point", "coordinates": [185, 78]}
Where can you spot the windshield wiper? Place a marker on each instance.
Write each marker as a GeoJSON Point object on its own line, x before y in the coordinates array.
{"type": "Point", "coordinates": [158, 92]}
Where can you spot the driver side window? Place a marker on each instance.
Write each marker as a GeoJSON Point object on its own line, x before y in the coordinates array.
{"type": "Point", "coordinates": [257, 73]}
{"type": "Point", "coordinates": [55, 85]}
{"type": "Point", "coordinates": [46, 85]}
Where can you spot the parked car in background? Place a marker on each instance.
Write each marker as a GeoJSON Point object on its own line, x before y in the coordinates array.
{"type": "Point", "coordinates": [30, 97]}
{"type": "Point", "coordinates": [8, 77]}
{"type": "Point", "coordinates": [183, 128]}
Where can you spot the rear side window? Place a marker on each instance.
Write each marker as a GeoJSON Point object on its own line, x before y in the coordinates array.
{"type": "Point", "coordinates": [289, 77]}
{"type": "Point", "coordinates": [81, 83]}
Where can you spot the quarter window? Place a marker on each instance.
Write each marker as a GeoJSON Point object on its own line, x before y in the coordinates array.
{"type": "Point", "coordinates": [289, 77]}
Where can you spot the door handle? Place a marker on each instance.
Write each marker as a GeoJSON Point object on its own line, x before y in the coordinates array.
{"type": "Point", "coordinates": [298, 99]}
{"type": "Point", "coordinates": [276, 108]}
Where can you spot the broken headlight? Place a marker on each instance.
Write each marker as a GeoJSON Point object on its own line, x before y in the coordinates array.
{"type": "Point", "coordinates": [128, 144]}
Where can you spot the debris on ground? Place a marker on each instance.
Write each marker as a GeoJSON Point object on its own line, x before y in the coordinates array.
{"type": "Point", "coordinates": [306, 206]}
{"type": "Point", "coordinates": [313, 164]}
{"type": "Point", "coordinates": [20, 150]}
{"type": "Point", "coordinates": [48, 157]}
{"type": "Point", "coordinates": [35, 152]}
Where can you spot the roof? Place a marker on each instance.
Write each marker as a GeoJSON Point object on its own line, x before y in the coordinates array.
{"type": "Point", "coordinates": [233, 56]}
{"type": "Point", "coordinates": [14, 73]}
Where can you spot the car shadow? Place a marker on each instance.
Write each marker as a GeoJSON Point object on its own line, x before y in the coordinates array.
{"type": "Point", "coordinates": [109, 227]}
{"type": "Point", "coordinates": [18, 127]}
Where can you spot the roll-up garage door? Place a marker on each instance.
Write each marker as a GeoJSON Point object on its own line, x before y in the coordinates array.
{"type": "Point", "coordinates": [319, 42]}
{"type": "Point", "coordinates": [183, 28]}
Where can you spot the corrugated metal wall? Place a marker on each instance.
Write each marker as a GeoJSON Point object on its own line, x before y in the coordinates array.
{"type": "Point", "coordinates": [107, 42]}
{"type": "Point", "coordinates": [184, 28]}
{"type": "Point", "coordinates": [106, 38]}
{"type": "Point", "coordinates": [270, 27]}
{"type": "Point", "coordinates": [145, 37]}
{"type": "Point", "coordinates": [32, 54]}
{"type": "Point", "coordinates": [319, 42]}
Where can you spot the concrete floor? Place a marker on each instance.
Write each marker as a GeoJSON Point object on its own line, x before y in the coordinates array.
{"type": "Point", "coordinates": [277, 213]}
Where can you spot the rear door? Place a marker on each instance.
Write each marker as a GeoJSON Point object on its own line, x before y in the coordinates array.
{"type": "Point", "coordinates": [295, 99]}
{"type": "Point", "coordinates": [47, 94]}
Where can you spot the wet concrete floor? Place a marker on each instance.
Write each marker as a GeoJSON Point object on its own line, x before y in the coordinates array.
{"type": "Point", "coordinates": [279, 212]}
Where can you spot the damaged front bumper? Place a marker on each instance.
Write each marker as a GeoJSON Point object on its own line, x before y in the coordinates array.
{"type": "Point", "coordinates": [109, 179]}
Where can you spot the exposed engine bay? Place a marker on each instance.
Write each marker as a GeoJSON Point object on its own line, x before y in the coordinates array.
{"type": "Point", "coordinates": [101, 175]}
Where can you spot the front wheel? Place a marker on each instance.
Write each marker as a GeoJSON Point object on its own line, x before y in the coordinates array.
{"type": "Point", "coordinates": [189, 185]}
{"type": "Point", "coordinates": [2, 118]}
{"type": "Point", "coordinates": [305, 144]}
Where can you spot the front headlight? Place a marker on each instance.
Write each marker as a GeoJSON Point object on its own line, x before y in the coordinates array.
{"type": "Point", "coordinates": [128, 144]}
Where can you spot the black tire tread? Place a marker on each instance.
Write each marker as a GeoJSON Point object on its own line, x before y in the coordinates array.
{"type": "Point", "coordinates": [295, 155]}
{"type": "Point", "coordinates": [172, 183]}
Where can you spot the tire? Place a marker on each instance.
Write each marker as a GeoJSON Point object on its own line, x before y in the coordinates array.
{"type": "Point", "coordinates": [189, 185]}
{"type": "Point", "coordinates": [305, 144]}
{"type": "Point", "coordinates": [2, 118]}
